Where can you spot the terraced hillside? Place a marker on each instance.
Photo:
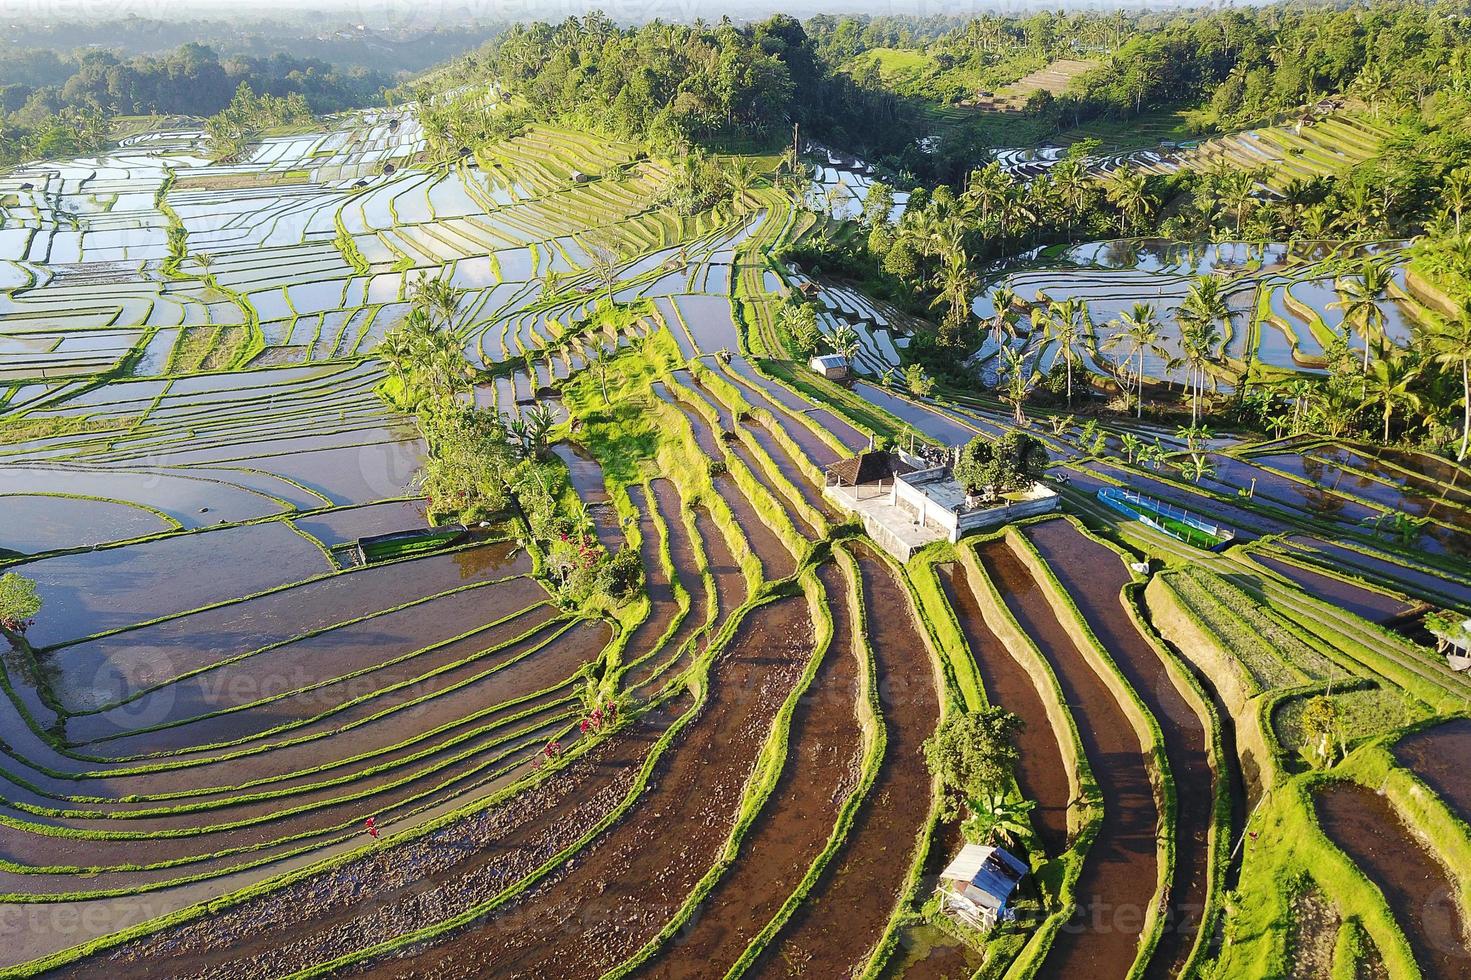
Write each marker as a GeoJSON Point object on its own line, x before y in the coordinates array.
{"type": "Point", "coordinates": [249, 737]}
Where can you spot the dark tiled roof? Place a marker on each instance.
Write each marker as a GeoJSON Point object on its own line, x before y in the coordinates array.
{"type": "Point", "coordinates": [869, 467]}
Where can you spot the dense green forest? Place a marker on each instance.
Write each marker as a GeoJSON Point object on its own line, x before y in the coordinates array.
{"type": "Point", "coordinates": [53, 104]}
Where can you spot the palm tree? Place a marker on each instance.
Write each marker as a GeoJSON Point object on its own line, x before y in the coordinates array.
{"type": "Point", "coordinates": [1360, 303]}
{"type": "Point", "coordinates": [1127, 191]}
{"type": "Point", "coordinates": [845, 344]}
{"type": "Point", "coordinates": [1456, 193]}
{"type": "Point", "coordinates": [1070, 180]}
{"type": "Point", "coordinates": [397, 351]}
{"type": "Point", "coordinates": [740, 178]}
{"type": "Point", "coordinates": [1142, 335]}
{"type": "Point", "coordinates": [600, 365]}
{"type": "Point", "coordinates": [444, 364]}
{"type": "Point", "coordinates": [1018, 381]}
{"type": "Point", "coordinates": [1451, 340]}
{"type": "Point", "coordinates": [1237, 187]}
{"type": "Point", "coordinates": [1388, 386]}
{"type": "Point", "coordinates": [1300, 391]}
{"type": "Point", "coordinates": [1003, 321]}
{"type": "Point", "coordinates": [956, 285]}
{"type": "Point", "coordinates": [1203, 307]}
{"type": "Point", "coordinates": [1064, 327]}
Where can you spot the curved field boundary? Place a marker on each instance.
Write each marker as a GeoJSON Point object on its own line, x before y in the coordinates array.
{"type": "Point", "coordinates": [1081, 664]}
{"type": "Point", "coordinates": [842, 916]}
{"type": "Point", "coordinates": [799, 787]}
{"type": "Point", "coordinates": [1188, 728]}
{"type": "Point", "coordinates": [1085, 809]}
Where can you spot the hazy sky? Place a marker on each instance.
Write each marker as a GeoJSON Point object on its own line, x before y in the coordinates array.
{"type": "Point", "coordinates": [410, 12]}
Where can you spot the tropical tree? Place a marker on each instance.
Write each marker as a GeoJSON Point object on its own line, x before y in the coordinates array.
{"type": "Point", "coordinates": [1450, 339]}
{"type": "Point", "coordinates": [845, 344]}
{"type": "Point", "coordinates": [1064, 326]}
{"type": "Point", "coordinates": [1127, 190]}
{"type": "Point", "coordinates": [1198, 314]}
{"type": "Point", "coordinates": [1387, 386]}
{"type": "Point", "coordinates": [1360, 303]}
{"type": "Point", "coordinates": [1140, 335]}
{"type": "Point", "coordinates": [955, 284]}
{"type": "Point", "coordinates": [974, 753]}
{"type": "Point", "coordinates": [1003, 321]}
{"type": "Point", "coordinates": [1016, 381]}
{"type": "Point", "coordinates": [600, 367]}
{"type": "Point", "coordinates": [539, 422]}
{"type": "Point", "coordinates": [439, 299]}
{"type": "Point", "coordinates": [1322, 725]}
{"type": "Point", "coordinates": [19, 603]}
{"type": "Point", "coordinates": [740, 177]}
{"type": "Point", "coordinates": [997, 818]}
{"type": "Point", "coordinates": [1196, 467]}
{"type": "Point", "coordinates": [799, 321]}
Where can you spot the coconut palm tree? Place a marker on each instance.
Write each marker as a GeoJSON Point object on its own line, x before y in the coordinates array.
{"type": "Point", "coordinates": [443, 364]}
{"type": "Point", "coordinates": [1360, 303]}
{"type": "Point", "coordinates": [1455, 193]}
{"type": "Point", "coordinates": [397, 351]}
{"type": "Point", "coordinates": [740, 178]}
{"type": "Point", "coordinates": [1451, 340]}
{"type": "Point", "coordinates": [1236, 190]}
{"type": "Point", "coordinates": [1003, 321]}
{"type": "Point", "coordinates": [1017, 380]}
{"type": "Point", "coordinates": [1127, 190]}
{"type": "Point", "coordinates": [1387, 386]}
{"type": "Point", "coordinates": [956, 284]}
{"type": "Point", "coordinates": [1141, 334]}
{"type": "Point", "coordinates": [1198, 314]}
{"type": "Point", "coordinates": [1065, 328]}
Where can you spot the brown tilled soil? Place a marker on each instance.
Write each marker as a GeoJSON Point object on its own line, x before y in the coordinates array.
{"type": "Point", "coordinates": [1041, 772]}
{"type": "Point", "coordinates": [615, 894]}
{"type": "Point", "coordinates": [1117, 883]}
{"type": "Point", "coordinates": [1093, 576]}
{"type": "Point", "coordinates": [821, 770]}
{"type": "Point", "coordinates": [392, 890]}
{"type": "Point", "coordinates": [844, 917]}
{"type": "Point", "coordinates": [1418, 889]}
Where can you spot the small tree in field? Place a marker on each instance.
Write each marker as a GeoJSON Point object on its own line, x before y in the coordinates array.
{"type": "Point", "coordinates": [1322, 725]}
{"type": "Point", "coordinates": [974, 755]}
{"type": "Point", "coordinates": [19, 602]}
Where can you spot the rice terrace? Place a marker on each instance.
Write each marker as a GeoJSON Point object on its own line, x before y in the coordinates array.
{"type": "Point", "coordinates": [903, 496]}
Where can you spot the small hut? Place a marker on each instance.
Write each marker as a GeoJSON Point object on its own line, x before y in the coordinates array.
{"type": "Point", "coordinates": [873, 469]}
{"type": "Point", "coordinates": [977, 886]}
{"type": "Point", "coordinates": [832, 366]}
